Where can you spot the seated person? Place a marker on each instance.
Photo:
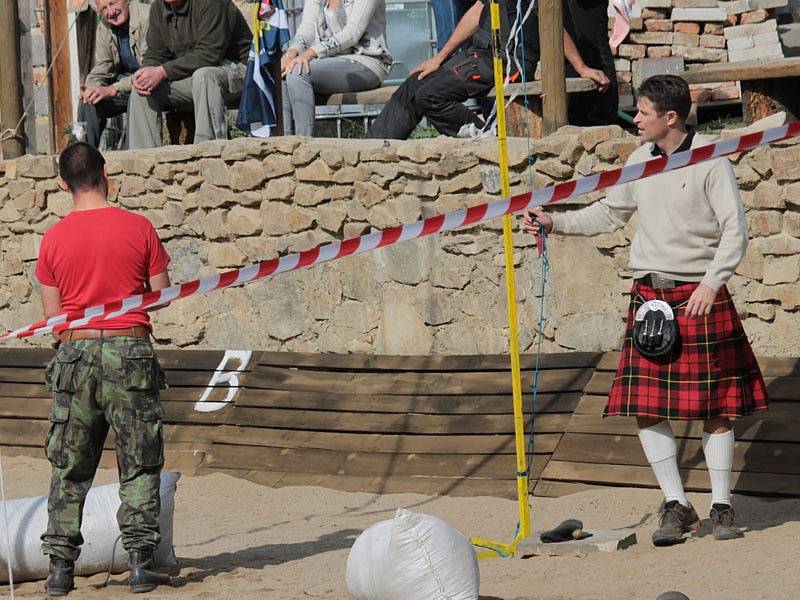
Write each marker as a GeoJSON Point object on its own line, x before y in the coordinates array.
{"type": "Point", "coordinates": [446, 13]}
{"type": "Point", "coordinates": [196, 59]}
{"type": "Point", "coordinates": [437, 88]}
{"type": "Point", "coordinates": [121, 43]}
{"type": "Point", "coordinates": [340, 46]}
{"type": "Point", "coordinates": [586, 22]}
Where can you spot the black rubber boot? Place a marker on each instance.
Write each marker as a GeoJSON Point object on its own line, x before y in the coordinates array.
{"type": "Point", "coordinates": [142, 579]}
{"type": "Point", "coordinates": [61, 577]}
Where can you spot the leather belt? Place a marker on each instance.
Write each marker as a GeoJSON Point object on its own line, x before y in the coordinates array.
{"type": "Point", "coordinates": [657, 282]}
{"type": "Point", "coordinates": [138, 331]}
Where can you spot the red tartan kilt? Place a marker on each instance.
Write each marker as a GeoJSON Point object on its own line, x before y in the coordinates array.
{"type": "Point", "coordinates": [710, 373]}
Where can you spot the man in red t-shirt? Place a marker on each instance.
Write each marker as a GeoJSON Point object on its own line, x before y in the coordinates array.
{"type": "Point", "coordinates": [104, 374]}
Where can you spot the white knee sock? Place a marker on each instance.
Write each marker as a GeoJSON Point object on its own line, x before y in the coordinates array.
{"type": "Point", "coordinates": [718, 448]}
{"type": "Point", "coordinates": [659, 447]}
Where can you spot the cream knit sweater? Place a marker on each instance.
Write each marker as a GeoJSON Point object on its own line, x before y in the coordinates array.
{"type": "Point", "coordinates": [691, 221]}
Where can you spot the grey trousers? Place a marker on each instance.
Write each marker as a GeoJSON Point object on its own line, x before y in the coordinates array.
{"type": "Point", "coordinates": [206, 91]}
{"type": "Point", "coordinates": [331, 75]}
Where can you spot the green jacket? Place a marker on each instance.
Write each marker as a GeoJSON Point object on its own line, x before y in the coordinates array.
{"type": "Point", "coordinates": [107, 64]}
{"type": "Point", "coordinates": [201, 33]}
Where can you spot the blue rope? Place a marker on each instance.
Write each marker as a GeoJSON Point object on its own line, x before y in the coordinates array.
{"type": "Point", "coordinates": [545, 266]}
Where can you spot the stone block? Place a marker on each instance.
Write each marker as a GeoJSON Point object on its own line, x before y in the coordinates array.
{"type": "Point", "coordinates": [686, 39]}
{"type": "Point", "coordinates": [590, 137]}
{"type": "Point", "coordinates": [316, 171]}
{"type": "Point", "coordinates": [554, 168]}
{"type": "Point", "coordinates": [770, 3]}
{"type": "Point", "coordinates": [247, 175]}
{"type": "Point", "coordinates": [740, 43]}
{"type": "Point", "coordinates": [713, 28]}
{"type": "Point", "coordinates": [750, 30]}
{"type": "Point", "coordinates": [768, 38]}
{"type": "Point", "coordinates": [653, 38]}
{"type": "Point", "coordinates": [656, 66]}
{"type": "Point", "coordinates": [37, 167]}
{"type": "Point", "coordinates": [791, 224]}
{"type": "Point", "coordinates": [695, 4]}
{"type": "Point", "coordinates": [658, 25]}
{"type": "Point", "coordinates": [728, 93]}
{"type": "Point", "coordinates": [216, 171]}
{"type": "Point", "coordinates": [656, 3]}
{"type": "Point", "coordinates": [654, 13]}
{"type": "Point", "coordinates": [698, 14]}
{"type": "Point", "coordinates": [712, 41]}
{"type": "Point", "coordinates": [755, 16]}
{"type": "Point", "coordinates": [600, 540]}
{"type": "Point", "coordinates": [631, 51]}
{"type": "Point", "coordinates": [756, 53]}
{"type": "Point", "coordinates": [706, 55]}
{"type": "Point", "coordinates": [244, 221]}
{"type": "Point", "coordinates": [763, 223]}
{"type": "Point", "coordinates": [279, 218]}
{"type": "Point", "coordinates": [173, 213]}
{"type": "Point", "coordinates": [778, 245]}
{"type": "Point", "coordinates": [737, 7]}
{"type": "Point", "coordinates": [687, 28]}
{"type": "Point", "coordinates": [621, 64]}
{"type": "Point", "coordinates": [423, 189]}
{"type": "Point", "coordinates": [222, 256]}
{"type": "Point", "coordinates": [782, 270]}
{"type": "Point", "coordinates": [659, 51]}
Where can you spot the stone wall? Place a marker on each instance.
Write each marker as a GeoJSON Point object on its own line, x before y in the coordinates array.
{"type": "Point", "coordinates": [224, 204]}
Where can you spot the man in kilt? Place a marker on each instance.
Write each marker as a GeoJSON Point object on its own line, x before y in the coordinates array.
{"type": "Point", "coordinates": [690, 238]}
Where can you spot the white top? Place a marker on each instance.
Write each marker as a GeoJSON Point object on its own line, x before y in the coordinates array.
{"type": "Point", "coordinates": [355, 28]}
{"type": "Point", "coordinates": [691, 221]}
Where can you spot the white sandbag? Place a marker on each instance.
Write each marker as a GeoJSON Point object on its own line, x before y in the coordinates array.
{"type": "Point", "coordinates": [365, 559]}
{"type": "Point", "coordinates": [425, 559]}
{"type": "Point", "coordinates": [27, 519]}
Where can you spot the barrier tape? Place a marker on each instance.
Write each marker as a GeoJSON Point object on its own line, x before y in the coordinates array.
{"type": "Point", "coordinates": [409, 231]}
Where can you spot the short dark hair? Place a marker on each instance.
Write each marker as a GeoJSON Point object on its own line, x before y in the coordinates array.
{"type": "Point", "coordinates": [668, 92]}
{"type": "Point", "coordinates": [81, 166]}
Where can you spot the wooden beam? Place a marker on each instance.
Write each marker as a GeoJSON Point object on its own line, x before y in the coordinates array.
{"type": "Point", "coordinates": [551, 43]}
{"type": "Point", "coordinates": [10, 79]}
{"type": "Point", "coordinates": [60, 75]}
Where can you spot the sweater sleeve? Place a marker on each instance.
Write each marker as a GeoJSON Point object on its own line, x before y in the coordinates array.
{"type": "Point", "coordinates": [104, 69]}
{"type": "Point", "coordinates": [723, 194]}
{"type": "Point", "coordinates": [305, 35]}
{"type": "Point", "coordinates": [605, 216]}
{"type": "Point", "coordinates": [357, 23]}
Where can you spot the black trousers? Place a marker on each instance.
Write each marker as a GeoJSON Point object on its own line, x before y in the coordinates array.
{"type": "Point", "coordinates": [95, 115]}
{"type": "Point", "coordinates": [438, 97]}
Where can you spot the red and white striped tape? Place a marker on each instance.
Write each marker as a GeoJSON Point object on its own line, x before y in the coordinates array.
{"type": "Point", "coordinates": [387, 237]}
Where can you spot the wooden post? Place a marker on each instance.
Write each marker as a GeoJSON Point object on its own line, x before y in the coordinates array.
{"type": "Point", "coordinates": [60, 77]}
{"type": "Point", "coordinates": [551, 43]}
{"type": "Point", "coordinates": [10, 79]}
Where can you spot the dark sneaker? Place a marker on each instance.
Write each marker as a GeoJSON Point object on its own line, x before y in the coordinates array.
{"type": "Point", "coordinates": [723, 519]}
{"type": "Point", "coordinates": [676, 520]}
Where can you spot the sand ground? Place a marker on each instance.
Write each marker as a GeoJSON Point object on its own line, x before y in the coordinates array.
{"type": "Point", "coordinates": [236, 539]}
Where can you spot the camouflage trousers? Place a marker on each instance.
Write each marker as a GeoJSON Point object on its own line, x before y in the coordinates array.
{"type": "Point", "coordinates": [99, 384]}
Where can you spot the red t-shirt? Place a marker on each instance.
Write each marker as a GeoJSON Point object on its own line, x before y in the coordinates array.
{"type": "Point", "coordinates": [99, 256]}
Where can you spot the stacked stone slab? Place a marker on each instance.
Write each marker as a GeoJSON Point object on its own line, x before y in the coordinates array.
{"type": "Point", "coordinates": [699, 32]}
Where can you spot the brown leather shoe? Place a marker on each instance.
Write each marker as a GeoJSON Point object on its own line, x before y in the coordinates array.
{"type": "Point", "coordinates": [723, 519]}
{"type": "Point", "coordinates": [676, 520]}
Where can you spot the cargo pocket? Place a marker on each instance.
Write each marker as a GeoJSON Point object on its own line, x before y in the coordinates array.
{"type": "Point", "coordinates": [139, 369]}
{"type": "Point", "coordinates": [62, 370]}
{"type": "Point", "coordinates": [148, 442]}
{"type": "Point", "coordinates": [55, 444]}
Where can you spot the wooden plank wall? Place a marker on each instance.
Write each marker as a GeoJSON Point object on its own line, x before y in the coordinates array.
{"type": "Point", "coordinates": [434, 425]}
{"type": "Point", "coordinates": [606, 452]}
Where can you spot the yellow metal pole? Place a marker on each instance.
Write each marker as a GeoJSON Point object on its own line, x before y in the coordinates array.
{"type": "Point", "coordinates": [511, 295]}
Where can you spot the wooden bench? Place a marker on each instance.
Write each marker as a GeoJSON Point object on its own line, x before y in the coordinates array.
{"type": "Point", "coordinates": [768, 86]}
{"type": "Point", "coordinates": [518, 119]}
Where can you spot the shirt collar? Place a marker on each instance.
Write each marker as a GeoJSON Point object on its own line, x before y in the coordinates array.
{"type": "Point", "coordinates": [686, 144]}
{"type": "Point", "coordinates": [183, 10]}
